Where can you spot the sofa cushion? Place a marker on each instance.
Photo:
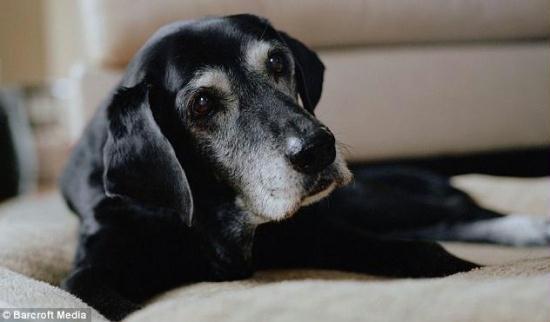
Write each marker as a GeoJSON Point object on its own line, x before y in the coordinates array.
{"type": "Point", "coordinates": [430, 100]}
{"type": "Point", "coordinates": [19, 291]}
{"type": "Point", "coordinates": [116, 29]}
{"type": "Point", "coordinates": [514, 292]}
{"type": "Point", "coordinates": [38, 236]}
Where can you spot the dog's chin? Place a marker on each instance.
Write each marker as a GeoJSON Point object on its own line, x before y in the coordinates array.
{"type": "Point", "coordinates": [277, 208]}
{"type": "Point", "coordinates": [271, 209]}
{"type": "Point", "coordinates": [326, 184]}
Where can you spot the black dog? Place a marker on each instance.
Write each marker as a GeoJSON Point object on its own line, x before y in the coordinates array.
{"type": "Point", "coordinates": [204, 140]}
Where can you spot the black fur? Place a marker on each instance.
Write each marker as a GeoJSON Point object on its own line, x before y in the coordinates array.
{"type": "Point", "coordinates": [136, 180]}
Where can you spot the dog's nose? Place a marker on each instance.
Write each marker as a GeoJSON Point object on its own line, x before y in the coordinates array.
{"type": "Point", "coordinates": [314, 154]}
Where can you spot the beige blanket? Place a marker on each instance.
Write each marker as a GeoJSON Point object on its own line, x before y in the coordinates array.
{"type": "Point", "coordinates": [38, 237]}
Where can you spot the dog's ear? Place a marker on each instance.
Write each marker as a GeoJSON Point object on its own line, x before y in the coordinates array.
{"type": "Point", "coordinates": [140, 164]}
{"type": "Point", "coordinates": [309, 70]}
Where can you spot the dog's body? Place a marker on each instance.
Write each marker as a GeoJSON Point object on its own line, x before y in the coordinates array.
{"type": "Point", "coordinates": [203, 166]}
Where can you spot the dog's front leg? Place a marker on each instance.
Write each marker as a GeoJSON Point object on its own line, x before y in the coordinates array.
{"type": "Point", "coordinates": [311, 242]}
{"type": "Point", "coordinates": [353, 251]}
{"type": "Point", "coordinates": [93, 286]}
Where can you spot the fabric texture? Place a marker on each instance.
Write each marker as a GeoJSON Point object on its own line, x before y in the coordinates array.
{"type": "Point", "coordinates": [113, 35]}
{"type": "Point", "coordinates": [38, 238]}
{"type": "Point", "coordinates": [19, 291]}
{"type": "Point", "coordinates": [430, 100]}
{"type": "Point", "coordinates": [494, 294]}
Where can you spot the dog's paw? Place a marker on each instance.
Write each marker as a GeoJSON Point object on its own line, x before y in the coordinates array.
{"type": "Point", "coordinates": [513, 230]}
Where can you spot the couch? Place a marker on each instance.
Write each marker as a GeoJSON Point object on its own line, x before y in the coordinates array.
{"type": "Point", "coordinates": [404, 79]}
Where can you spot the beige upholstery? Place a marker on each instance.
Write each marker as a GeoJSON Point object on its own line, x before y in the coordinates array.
{"type": "Point", "coordinates": [118, 28]}
{"type": "Point", "coordinates": [418, 101]}
{"type": "Point", "coordinates": [507, 293]}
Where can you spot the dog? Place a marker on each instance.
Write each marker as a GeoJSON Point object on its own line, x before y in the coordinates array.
{"type": "Point", "coordinates": [207, 163]}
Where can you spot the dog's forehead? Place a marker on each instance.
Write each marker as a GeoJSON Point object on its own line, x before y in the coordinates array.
{"type": "Point", "coordinates": [211, 49]}
{"type": "Point", "coordinates": [252, 56]}
{"type": "Point", "coordinates": [224, 76]}
{"type": "Point", "coordinates": [231, 46]}
{"type": "Point", "coordinates": [216, 40]}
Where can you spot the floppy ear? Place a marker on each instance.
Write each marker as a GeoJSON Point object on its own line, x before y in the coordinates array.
{"type": "Point", "coordinates": [139, 162]}
{"type": "Point", "coordinates": [309, 72]}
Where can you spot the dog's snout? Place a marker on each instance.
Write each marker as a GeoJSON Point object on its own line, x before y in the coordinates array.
{"type": "Point", "coordinates": [314, 153]}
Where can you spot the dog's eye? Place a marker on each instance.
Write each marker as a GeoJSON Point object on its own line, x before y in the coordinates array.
{"type": "Point", "coordinates": [201, 104]}
{"type": "Point", "coordinates": [276, 64]}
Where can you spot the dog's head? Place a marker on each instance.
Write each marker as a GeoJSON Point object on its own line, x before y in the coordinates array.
{"type": "Point", "coordinates": [242, 95]}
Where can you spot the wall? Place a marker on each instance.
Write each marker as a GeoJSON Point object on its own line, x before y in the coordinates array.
{"type": "Point", "coordinates": [22, 40]}
{"type": "Point", "coordinates": [40, 40]}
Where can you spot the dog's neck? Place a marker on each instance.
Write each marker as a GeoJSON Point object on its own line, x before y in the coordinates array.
{"type": "Point", "coordinates": [238, 225]}
{"type": "Point", "coordinates": [228, 230]}
{"type": "Point", "coordinates": [222, 221]}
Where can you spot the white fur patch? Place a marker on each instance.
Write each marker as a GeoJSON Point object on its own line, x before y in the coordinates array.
{"type": "Point", "coordinates": [172, 77]}
{"type": "Point", "coordinates": [212, 77]}
{"type": "Point", "coordinates": [256, 53]}
{"type": "Point", "coordinates": [515, 229]}
{"type": "Point", "coordinates": [294, 144]}
{"type": "Point", "coordinates": [274, 190]}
